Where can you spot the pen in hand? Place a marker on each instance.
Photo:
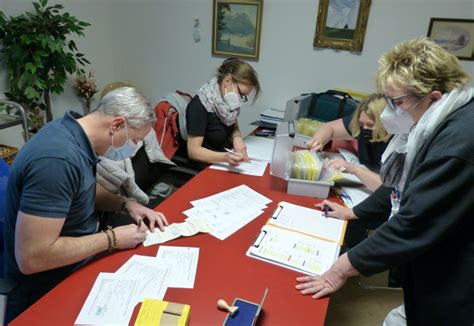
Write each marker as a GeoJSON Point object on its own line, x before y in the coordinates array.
{"type": "Point", "coordinates": [326, 210]}
{"type": "Point", "coordinates": [139, 223]}
{"type": "Point", "coordinates": [237, 154]}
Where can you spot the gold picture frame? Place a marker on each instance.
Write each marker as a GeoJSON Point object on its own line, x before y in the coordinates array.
{"type": "Point", "coordinates": [454, 35]}
{"type": "Point", "coordinates": [236, 28]}
{"type": "Point", "coordinates": [341, 27]}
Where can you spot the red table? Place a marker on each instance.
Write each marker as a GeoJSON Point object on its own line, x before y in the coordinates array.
{"type": "Point", "coordinates": [224, 271]}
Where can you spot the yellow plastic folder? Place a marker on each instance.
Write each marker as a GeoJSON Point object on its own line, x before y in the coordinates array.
{"type": "Point", "coordinates": [158, 312]}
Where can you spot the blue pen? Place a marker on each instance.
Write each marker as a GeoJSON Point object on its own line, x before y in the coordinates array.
{"type": "Point", "coordinates": [326, 210]}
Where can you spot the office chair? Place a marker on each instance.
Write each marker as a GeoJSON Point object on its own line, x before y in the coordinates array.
{"type": "Point", "coordinates": [6, 286]}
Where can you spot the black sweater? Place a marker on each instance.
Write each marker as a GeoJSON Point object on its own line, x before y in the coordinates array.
{"type": "Point", "coordinates": [433, 233]}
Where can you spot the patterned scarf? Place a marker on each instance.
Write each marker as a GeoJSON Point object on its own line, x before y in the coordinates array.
{"type": "Point", "coordinates": [211, 98]}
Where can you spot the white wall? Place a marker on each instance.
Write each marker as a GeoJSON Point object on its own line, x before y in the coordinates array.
{"type": "Point", "coordinates": [150, 44]}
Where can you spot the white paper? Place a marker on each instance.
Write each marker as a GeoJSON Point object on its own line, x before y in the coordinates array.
{"type": "Point", "coordinates": [223, 224]}
{"type": "Point", "coordinates": [175, 230]}
{"type": "Point", "coordinates": [234, 199]}
{"type": "Point", "coordinates": [349, 156]}
{"type": "Point", "coordinates": [274, 113]}
{"type": "Point", "coordinates": [307, 220]}
{"type": "Point", "coordinates": [228, 211]}
{"type": "Point", "coordinates": [152, 272]}
{"type": "Point", "coordinates": [352, 196]}
{"type": "Point", "coordinates": [260, 147]}
{"type": "Point", "coordinates": [111, 300]}
{"type": "Point", "coordinates": [255, 168]}
{"type": "Point", "coordinates": [183, 263]}
{"type": "Point", "coordinates": [348, 178]}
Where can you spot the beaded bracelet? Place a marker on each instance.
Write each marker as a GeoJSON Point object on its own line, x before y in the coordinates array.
{"type": "Point", "coordinates": [109, 240]}
{"type": "Point", "coordinates": [114, 239]}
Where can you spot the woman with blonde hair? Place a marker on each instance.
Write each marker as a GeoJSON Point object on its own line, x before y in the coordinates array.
{"type": "Point", "coordinates": [430, 235]}
{"type": "Point", "coordinates": [365, 126]}
{"type": "Point", "coordinates": [211, 116]}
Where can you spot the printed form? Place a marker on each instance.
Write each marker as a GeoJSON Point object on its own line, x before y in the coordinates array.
{"type": "Point", "coordinates": [153, 274]}
{"type": "Point", "coordinates": [175, 230]}
{"type": "Point", "coordinates": [228, 211]}
{"type": "Point", "coordinates": [111, 300]}
{"type": "Point", "coordinates": [183, 263]}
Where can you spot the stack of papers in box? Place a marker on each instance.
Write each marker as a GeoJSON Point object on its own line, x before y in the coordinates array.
{"type": "Point", "coordinates": [228, 211]}
{"type": "Point", "coordinates": [272, 116]}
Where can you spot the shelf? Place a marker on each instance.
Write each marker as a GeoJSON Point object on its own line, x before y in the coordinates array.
{"type": "Point", "coordinates": [7, 121]}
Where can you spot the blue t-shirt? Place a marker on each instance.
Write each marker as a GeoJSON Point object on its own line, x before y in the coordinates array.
{"type": "Point", "coordinates": [53, 176]}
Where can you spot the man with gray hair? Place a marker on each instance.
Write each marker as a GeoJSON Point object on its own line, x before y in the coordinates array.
{"type": "Point", "coordinates": [52, 196]}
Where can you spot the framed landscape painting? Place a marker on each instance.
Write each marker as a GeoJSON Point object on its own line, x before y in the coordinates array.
{"type": "Point", "coordinates": [236, 28]}
{"type": "Point", "coordinates": [454, 35]}
{"type": "Point", "coordinates": [341, 24]}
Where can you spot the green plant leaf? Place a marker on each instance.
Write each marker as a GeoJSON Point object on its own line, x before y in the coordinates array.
{"type": "Point", "coordinates": [31, 67]}
{"type": "Point", "coordinates": [31, 93]}
{"type": "Point", "coordinates": [37, 52]}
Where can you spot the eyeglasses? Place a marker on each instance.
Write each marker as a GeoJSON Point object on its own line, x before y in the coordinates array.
{"type": "Point", "coordinates": [243, 98]}
{"type": "Point", "coordinates": [393, 102]}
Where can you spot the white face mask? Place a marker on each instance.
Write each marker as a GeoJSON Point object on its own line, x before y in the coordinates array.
{"type": "Point", "coordinates": [121, 153]}
{"type": "Point", "coordinates": [396, 122]}
{"type": "Point", "coordinates": [232, 99]}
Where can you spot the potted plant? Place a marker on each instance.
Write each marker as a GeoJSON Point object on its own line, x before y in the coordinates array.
{"type": "Point", "coordinates": [38, 55]}
{"type": "Point", "coordinates": [86, 89]}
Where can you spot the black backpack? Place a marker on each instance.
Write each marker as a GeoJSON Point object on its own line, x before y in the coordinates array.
{"type": "Point", "coordinates": [327, 106]}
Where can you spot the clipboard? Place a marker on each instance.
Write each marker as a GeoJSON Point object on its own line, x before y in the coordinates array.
{"type": "Point", "coordinates": [294, 240]}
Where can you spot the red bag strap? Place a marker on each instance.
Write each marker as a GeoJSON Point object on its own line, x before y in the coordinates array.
{"type": "Point", "coordinates": [184, 94]}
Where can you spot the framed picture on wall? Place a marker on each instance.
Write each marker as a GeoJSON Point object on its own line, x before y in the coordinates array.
{"type": "Point", "coordinates": [236, 28]}
{"type": "Point", "coordinates": [454, 35]}
{"type": "Point", "coordinates": [341, 24]}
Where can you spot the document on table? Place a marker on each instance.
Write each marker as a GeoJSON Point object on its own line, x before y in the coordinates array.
{"type": "Point", "coordinates": [255, 168]}
{"type": "Point", "coordinates": [228, 211]}
{"type": "Point", "coordinates": [175, 230]}
{"type": "Point", "coordinates": [259, 147]}
{"type": "Point", "coordinates": [236, 198]}
{"type": "Point", "coordinates": [153, 274]}
{"type": "Point", "coordinates": [223, 222]}
{"type": "Point", "coordinates": [183, 264]}
{"type": "Point", "coordinates": [111, 300]}
{"type": "Point", "coordinates": [307, 220]}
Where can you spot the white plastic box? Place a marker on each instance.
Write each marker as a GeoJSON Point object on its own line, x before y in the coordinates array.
{"type": "Point", "coordinates": [282, 148]}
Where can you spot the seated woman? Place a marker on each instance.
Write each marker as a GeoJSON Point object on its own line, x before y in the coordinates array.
{"type": "Point", "coordinates": [211, 116]}
{"type": "Point", "coordinates": [372, 139]}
